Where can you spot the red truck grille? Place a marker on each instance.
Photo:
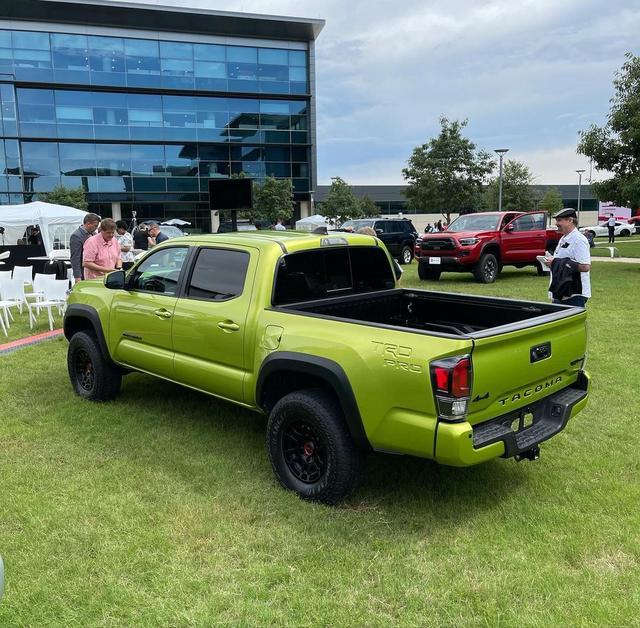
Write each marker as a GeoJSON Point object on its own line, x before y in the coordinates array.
{"type": "Point", "coordinates": [438, 244]}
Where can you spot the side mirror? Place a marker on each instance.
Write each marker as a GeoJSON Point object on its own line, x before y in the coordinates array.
{"type": "Point", "coordinates": [115, 280]}
{"type": "Point", "coordinates": [509, 228]}
{"type": "Point", "coordinates": [379, 231]}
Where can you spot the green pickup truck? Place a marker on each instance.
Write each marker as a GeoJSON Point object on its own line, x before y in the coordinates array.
{"type": "Point", "coordinates": [315, 332]}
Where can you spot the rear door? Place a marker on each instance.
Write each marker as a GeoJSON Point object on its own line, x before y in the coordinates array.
{"type": "Point", "coordinates": [514, 369]}
{"type": "Point", "coordinates": [388, 232]}
{"type": "Point", "coordinates": [210, 321]}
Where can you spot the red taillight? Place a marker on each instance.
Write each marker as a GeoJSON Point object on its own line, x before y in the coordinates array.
{"type": "Point", "coordinates": [460, 382]}
{"type": "Point", "coordinates": [441, 377]}
{"type": "Point", "coordinates": [452, 376]}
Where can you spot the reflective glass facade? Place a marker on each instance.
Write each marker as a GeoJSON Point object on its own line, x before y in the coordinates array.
{"type": "Point", "coordinates": [146, 123]}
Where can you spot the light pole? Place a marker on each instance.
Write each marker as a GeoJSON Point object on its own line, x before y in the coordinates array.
{"type": "Point", "coordinates": [501, 152]}
{"type": "Point", "coordinates": [580, 172]}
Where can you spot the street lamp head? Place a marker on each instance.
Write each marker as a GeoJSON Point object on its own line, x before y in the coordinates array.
{"type": "Point", "coordinates": [580, 171]}
{"type": "Point", "coordinates": [501, 151]}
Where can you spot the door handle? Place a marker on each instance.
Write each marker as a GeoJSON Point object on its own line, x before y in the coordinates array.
{"type": "Point", "coordinates": [162, 313]}
{"type": "Point", "coordinates": [228, 326]}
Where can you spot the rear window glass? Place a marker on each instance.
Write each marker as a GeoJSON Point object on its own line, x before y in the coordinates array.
{"type": "Point", "coordinates": [326, 273]}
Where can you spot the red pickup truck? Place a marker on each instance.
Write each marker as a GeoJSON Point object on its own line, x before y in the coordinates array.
{"type": "Point", "coordinates": [485, 242]}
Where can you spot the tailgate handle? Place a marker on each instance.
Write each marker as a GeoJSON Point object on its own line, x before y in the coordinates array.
{"type": "Point", "coordinates": [540, 352]}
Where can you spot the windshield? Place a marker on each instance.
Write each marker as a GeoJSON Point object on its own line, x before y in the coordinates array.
{"type": "Point", "coordinates": [357, 224]}
{"type": "Point", "coordinates": [475, 222]}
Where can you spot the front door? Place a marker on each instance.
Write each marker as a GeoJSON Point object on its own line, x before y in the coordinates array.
{"type": "Point", "coordinates": [524, 238]}
{"type": "Point", "coordinates": [141, 317]}
{"type": "Point", "coordinates": [209, 322]}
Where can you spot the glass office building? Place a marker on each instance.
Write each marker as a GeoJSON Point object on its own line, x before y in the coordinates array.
{"type": "Point", "coordinates": [142, 119]}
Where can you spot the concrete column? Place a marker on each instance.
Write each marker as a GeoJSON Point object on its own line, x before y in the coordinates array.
{"type": "Point", "coordinates": [116, 212]}
{"type": "Point", "coordinates": [305, 209]}
{"type": "Point", "coordinates": [215, 221]}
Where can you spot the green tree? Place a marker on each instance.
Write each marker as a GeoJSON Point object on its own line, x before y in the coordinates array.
{"type": "Point", "coordinates": [340, 204]}
{"type": "Point", "coordinates": [368, 207]}
{"type": "Point", "coordinates": [62, 195]}
{"type": "Point", "coordinates": [517, 194]}
{"type": "Point", "coordinates": [551, 202]}
{"type": "Point", "coordinates": [272, 200]}
{"type": "Point", "coordinates": [616, 145]}
{"type": "Point", "coordinates": [446, 173]}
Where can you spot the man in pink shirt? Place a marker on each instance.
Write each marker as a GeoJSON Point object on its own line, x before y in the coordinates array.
{"type": "Point", "coordinates": [101, 252]}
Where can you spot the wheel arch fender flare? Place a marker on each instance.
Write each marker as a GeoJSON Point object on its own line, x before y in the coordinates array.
{"type": "Point", "coordinates": [492, 247]}
{"type": "Point", "coordinates": [88, 318]}
{"type": "Point", "coordinates": [331, 374]}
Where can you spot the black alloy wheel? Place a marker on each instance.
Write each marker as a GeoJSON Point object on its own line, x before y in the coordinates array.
{"type": "Point", "coordinates": [304, 452]}
{"type": "Point", "coordinates": [310, 447]}
{"type": "Point", "coordinates": [85, 373]}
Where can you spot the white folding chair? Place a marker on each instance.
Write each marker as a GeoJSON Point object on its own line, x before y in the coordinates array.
{"type": "Point", "coordinates": [12, 295]}
{"type": "Point", "coordinates": [37, 294]}
{"type": "Point", "coordinates": [24, 273]}
{"type": "Point", "coordinates": [55, 295]}
{"type": "Point", "coordinates": [5, 275]}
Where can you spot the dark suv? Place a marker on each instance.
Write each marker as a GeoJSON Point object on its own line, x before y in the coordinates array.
{"type": "Point", "coordinates": [398, 234]}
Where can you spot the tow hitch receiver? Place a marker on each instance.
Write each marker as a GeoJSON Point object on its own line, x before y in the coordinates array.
{"type": "Point", "coordinates": [530, 454]}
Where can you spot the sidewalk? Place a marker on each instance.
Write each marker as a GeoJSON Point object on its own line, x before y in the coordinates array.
{"type": "Point", "coordinates": [624, 260]}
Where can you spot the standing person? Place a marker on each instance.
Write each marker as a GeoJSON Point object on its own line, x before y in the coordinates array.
{"type": "Point", "coordinates": [570, 264]}
{"type": "Point", "coordinates": [611, 225]}
{"type": "Point", "coordinates": [101, 252]}
{"type": "Point", "coordinates": [140, 238]}
{"type": "Point", "coordinates": [125, 240]}
{"type": "Point", "coordinates": [155, 235]}
{"type": "Point", "coordinates": [428, 228]}
{"type": "Point", "coordinates": [76, 242]}
{"type": "Point", "coordinates": [279, 225]}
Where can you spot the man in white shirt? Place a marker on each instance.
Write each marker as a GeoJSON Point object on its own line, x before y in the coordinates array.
{"type": "Point", "coordinates": [611, 225]}
{"type": "Point", "coordinates": [279, 226]}
{"type": "Point", "coordinates": [575, 247]}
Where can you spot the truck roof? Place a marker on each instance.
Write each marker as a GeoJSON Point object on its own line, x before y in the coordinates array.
{"type": "Point", "coordinates": [286, 241]}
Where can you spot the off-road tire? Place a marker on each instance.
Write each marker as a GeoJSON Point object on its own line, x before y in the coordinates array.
{"type": "Point", "coordinates": [92, 376]}
{"type": "Point", "coordinates": [486, 270]}
{"type": "Point", "coordinates": [406, 255]}
{"type": "Point", "coordinates": [310, 448]}
{"type": "Point", "coordinates": [425, 272]}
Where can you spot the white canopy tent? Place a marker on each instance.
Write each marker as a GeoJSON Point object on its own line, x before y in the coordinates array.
{"type": "Point", "coordinates": [312, 222]}
{"type": "Point", "coordinates": [56, 223]}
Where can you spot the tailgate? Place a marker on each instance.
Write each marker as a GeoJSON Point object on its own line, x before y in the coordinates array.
{"type": "Point", "coordinates": [514, 369]}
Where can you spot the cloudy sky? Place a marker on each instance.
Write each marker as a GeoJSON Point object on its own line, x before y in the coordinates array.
{"type": "Point", "coordinates": [528, 75]}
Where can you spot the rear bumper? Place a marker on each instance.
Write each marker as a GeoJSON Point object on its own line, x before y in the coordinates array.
{"type": "Point", "coordinates": [461, 444]}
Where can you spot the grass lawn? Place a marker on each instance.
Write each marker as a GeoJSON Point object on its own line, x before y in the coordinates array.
{"type": "Point", "coordinates": [161, 509]}
{"type": "Point", "coordinates": [628, 247]}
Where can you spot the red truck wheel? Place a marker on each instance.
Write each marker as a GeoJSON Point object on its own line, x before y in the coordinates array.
{"type": "Point", "coordinates": [486, 270]}
{"type": "Point", "coordinates": [424, 272]}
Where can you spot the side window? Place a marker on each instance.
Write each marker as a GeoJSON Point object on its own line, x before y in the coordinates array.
{"type": "Point", "coordinates": [383, 225]}
{"type": "Point", "coordinates": [218, 274]}
{"type": "Point", "coordinates": [539, 221]}
{"type": "Point", "coordinates": [160, 271]}
{"type": "Point", "coordinates": [524, 223]}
